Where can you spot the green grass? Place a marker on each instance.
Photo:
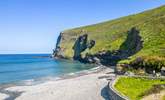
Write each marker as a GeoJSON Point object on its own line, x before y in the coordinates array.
{"type": "Point", "coordinates": [110, 35]}
{"type": "Point", "coordinates": [134, 88]}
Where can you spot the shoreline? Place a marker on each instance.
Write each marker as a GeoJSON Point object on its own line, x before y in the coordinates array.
{"type": "Point", "coordinates": [14, 92]}
{"type": "Point", "coordinates": [36, 81]}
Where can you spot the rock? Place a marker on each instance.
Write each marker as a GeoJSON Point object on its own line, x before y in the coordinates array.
{"type": "Point", "coordinates": [158, 74]}
{"type": "Point", "coordinates": [163, 71]}
{"type": "Point", "coordinates": [97, 60]}
{"type": "Point", "coordinates": [81, 45]}
{"type": "Point", "coordinates": [129, 73]}
{"type": "Point", "coordinates": [91, 44]}
{"type": "Point", "coordinates": [133, 42]}
{"type": "Point", "coordinates": [132, 74]}
{"type": "Point", "coordinates": [119, 69]}
{"type": "Point", "coordinates": [58, 52]}
{"type": "Point", "coordinates": [88, 58]}
{"type": "Point", "coordinates": [59, 40]}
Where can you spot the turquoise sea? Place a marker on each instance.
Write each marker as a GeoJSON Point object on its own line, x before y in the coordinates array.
{"type": "Point", "coordinates": [22, 67]}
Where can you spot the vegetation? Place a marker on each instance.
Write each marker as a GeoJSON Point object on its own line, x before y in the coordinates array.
{"type": "Point", "coordinates": [143, 64]}
{"type": "Point", "coordinates": [150, 63]}
{"type": "Point", "coordinates": [136, 88]}
{"type": "Point", "coordinates": [110, 35]}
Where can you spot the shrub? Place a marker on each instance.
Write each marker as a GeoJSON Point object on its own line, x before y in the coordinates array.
{"type": "Point", "coordinates": [150, 63]}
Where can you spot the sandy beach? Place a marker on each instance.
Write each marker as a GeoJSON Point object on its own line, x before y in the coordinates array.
{"type": "Point", "coordinates": [86, 87]}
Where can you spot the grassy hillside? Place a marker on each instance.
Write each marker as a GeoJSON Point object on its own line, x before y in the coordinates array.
{"type": "Point", "coordinates": [111, 34]}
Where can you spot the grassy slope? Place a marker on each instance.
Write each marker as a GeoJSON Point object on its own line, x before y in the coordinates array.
{"type": "Point", "coordinates": [135, 87]}
{"type": "Point", "coordinates": [111, 34]}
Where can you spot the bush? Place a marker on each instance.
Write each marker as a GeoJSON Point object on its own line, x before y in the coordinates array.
{"type": "Point", "coordinates": [150, 63]}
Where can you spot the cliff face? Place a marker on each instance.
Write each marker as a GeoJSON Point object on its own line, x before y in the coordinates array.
{"type": "Point", "coordinates": [58, 52]}
{"type": "Point", "coordinates": [136, 35]}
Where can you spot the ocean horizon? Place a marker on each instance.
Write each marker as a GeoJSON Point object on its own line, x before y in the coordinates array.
{"type": "Point", "coordinates": [15, 68]}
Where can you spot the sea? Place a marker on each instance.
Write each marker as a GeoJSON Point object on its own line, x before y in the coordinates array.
{"type": "Point", "coordinates": [24, 68]}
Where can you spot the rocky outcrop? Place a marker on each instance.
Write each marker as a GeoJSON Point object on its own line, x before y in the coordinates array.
{"type": "Point", "coordinates": [81, 44]}
{"type": "Point", "coordinates": [57, 52]}
{"type": "Point", "coordinates": [133, 42]}
{"type": "Point", "coordinates": [59, 39]}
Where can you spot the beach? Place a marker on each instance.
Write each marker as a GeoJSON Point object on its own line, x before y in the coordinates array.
{"type": "Point", "coordinates": [91, 86]}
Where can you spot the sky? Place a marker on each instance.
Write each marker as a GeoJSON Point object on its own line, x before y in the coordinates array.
{"type": "Point", "coordinates": [32, 26]}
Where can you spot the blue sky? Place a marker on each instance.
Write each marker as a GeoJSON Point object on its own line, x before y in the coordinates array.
{"type": "Point", "coordinates": [32, 26]}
